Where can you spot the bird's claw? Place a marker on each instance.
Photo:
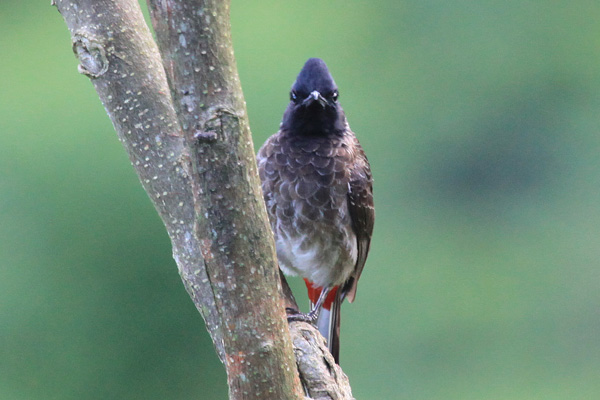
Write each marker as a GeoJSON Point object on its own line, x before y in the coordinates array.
{"type": "Point", "coordinates": [294, 315]}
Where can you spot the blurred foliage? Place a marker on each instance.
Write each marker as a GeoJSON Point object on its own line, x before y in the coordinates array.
{"type": "Point", "coordinates": [481, 123]}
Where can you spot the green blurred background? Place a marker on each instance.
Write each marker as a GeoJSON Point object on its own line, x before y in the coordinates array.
{"type": "Point", "coordinates": [481, 121]}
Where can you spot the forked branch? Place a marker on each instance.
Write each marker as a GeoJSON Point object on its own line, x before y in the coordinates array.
{"type": "Point", "coordinates": [182, 119]}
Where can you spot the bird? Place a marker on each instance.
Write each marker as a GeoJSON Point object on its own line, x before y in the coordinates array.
{"type": "Point", "coordinates": [318, 191]}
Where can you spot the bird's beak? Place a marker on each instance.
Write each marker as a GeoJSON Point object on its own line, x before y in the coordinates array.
{"type": "Point", "coordinates": [313, 97]}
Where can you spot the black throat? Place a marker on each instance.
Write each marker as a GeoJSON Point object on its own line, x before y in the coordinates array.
{"type": "Point", "coordinates": [314, 121]}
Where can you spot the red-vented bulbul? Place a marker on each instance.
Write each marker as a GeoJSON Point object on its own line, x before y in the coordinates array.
{"type": "Point", "coordinates": [317, 186]}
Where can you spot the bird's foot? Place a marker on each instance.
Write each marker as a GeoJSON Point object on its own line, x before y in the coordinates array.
{"type": "Point", "coordinates": [295, 315]}
{"type": "Point", "coordinates": [311, 317]}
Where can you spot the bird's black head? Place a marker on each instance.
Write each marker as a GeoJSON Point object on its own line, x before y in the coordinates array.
{"type": "Point", "coordinates": [313, 108]}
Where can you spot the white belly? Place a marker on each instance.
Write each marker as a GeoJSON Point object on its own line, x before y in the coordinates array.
{"type": "Point", "coordinates": [325, 259]}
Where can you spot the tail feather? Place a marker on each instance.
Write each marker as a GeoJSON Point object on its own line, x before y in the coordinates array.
{"type": "Point", "coordinates": [328, 324]}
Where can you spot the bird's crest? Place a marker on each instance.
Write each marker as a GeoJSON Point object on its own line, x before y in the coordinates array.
{"type": "Point", "coordinates": [314, 76]}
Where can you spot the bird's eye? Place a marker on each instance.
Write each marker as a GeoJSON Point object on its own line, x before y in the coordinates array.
{"type": "Point", "coordinates": [293, 95]}
{"type": "Point", "coordinates": [334, 95]}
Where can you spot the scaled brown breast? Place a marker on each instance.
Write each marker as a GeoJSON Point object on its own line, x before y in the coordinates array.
{"type": "Point", "coordinates": [316, 183]}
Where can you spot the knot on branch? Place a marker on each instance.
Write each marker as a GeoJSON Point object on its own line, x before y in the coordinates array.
{"type": "Point", "coordinates": [212, 128]}
{"type": "Point", "coordinates": [91, 55]}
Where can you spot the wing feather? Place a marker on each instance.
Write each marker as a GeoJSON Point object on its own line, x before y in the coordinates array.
{"type": "Point", "coordinates": [362, 214]}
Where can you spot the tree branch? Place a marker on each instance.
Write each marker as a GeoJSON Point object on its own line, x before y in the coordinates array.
{"type": "Point", "coordinates": [190, 144]}
{"type": "Point", "coordinates": [116, 51]}
{"type": "Point", "coordinates": [321, 377]}
{"type": "Point", "coordinates": [239, 256]}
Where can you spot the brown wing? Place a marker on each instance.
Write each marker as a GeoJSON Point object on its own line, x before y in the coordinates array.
{"type": "Point", "coordinates": [269, 174]}
{"type": "Point", "coordinates": [362, 213]}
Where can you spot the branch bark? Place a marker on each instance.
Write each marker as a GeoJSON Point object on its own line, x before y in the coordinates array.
{"type": "Point", "coordinates": [116, 51]}
{"type": "Point", "coordinates": [187, 135]}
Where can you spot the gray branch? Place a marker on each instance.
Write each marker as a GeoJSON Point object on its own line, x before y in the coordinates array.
{"type": "Point", "coordinates": [187, 135]}
{"type": "Point", "coordinates": [116, 51]}
{"type": "Point", "coordinates": [321, 377]}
